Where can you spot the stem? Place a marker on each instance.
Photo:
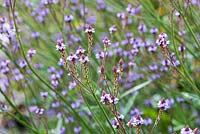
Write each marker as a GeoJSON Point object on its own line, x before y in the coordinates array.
{"type": "Point", "coordinates": [157, 120]}
{"type": "Point", "coordinates": [43, 81]}
{"type": "Point", "coordinates": [102, 109]}
{"type": "Point", "coordinates": [22, 122]}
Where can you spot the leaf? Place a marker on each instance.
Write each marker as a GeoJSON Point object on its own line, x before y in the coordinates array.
{"type": "Point", "coordinates": [129, 104]}
{"type": "Point", "coordinates": [136, 88]}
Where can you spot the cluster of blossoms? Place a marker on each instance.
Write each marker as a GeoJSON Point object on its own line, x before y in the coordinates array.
{"type": "Point", "coordinates": [162, 40]}
{"type": "Point", "coordinates": [17, 75]}
{"type": "Point", "coordinates": [187, 130]}
{"type": "Point", "coordinates": [39, 111]}
{"type": "Point", "coordinates": [3, 107]}
{"type": "Point", "coordinates": [165, 104]}
{"type": "Point", "coordinates": [31, 52]}
{"type": "Point", "coordinates": [4, 66]}
{"type": "Point", "coordinates": [79, 55]}
{"type": "Point", "coordinates": [60, 46]}
{"type": "Point", "coordinates": [90, 30]}
{"type": "Point", "coordinates": [68, 18]}
{"type": "Point", "coordinates": [135, 121]}
{"type": "Point", "coordinates": [108, 98]}
{"type": "Point", "coordinates": [116, 121]}
{"type": "Point", "coordinates": [55, 76]}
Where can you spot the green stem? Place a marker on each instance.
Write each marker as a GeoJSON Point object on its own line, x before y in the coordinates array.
{"type": "Point", "coordinates": [42, 80]}
{"type": "Point", "coordinates": [22, 122]}
{"type": "Point", "coordinates": [102, 109]}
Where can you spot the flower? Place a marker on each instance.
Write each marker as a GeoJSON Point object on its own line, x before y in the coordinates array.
{"type": "Point", "coordinates": [3, 107]}
{"type": "Point", "coordinates": [163, 104]}
{"type": "Point", "coordinates": [186, 130]}
{"type": "Point", "coordinates": [113, 29]}
{"type": "Point", "coordinates": [68, 18]}
{"type": "Point", "coordinates": [80, 51]}
{"type": "Point", "coordinates": [39, 111]}
{"type": "Point", "coordinates": [106, 41]}
{"type": "Point", "coordinates": [60, 45]}
{"type": "Point", "coordinates": [130, 123]}
{"type": "Point", "coordinates": [72, 57]}
{"type": "Point", "coordinates": [89, 30]}
{"type": "Point", "coordinates": [142, 28]}
{"type": "Point", "coordinates": [181, 48]}
{"type": "Point", "coordinates": [120, 116]}
{"type": "Point", "coordinates": [23, 64]}
{"type": "Point", "coordinates": [4, 66]}
{"type": "Point", "coordinates": [147, 121]}
{"type": "Point", "coordinates": [100, 55]}
{"type": "Point", "coordinates": [44, 94]}
{"type": "Point", "coordinates": [162, 40]}
{"type": "Point", "coordinates": [153, 30]}
{"type": "Point", "coordinates": [105, 98]}
{"type": "Point", "coordinates": [114, 100]}
{"type": "Point", "coordinates": [84, 59]}
{"type": "Point", "coordinates": [137, 120]}
{"type": "Point", "coordinates": [115, 124]}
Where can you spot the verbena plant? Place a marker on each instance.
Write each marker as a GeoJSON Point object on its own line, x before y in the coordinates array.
{"type": "Point", "coordinates": [99, 67]}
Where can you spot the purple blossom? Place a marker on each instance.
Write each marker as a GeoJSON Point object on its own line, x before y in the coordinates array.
{"type": "Point", "coordinates": [39, 111]}
{"type": "Point", "coordinates": [186, 130]}
{"type": "Point", "coordinates": [163, 104]}
{"type": "Point", "coordinates": [162, 40]}
{"type": "Point", "coordinates": [68, 18]}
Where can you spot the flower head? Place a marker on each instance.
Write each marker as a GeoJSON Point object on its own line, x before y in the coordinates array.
{"type": "Point", "coordinates": [68, 18]}
{"type": "Point", "coordinates": [106, 41]}
{"type": "Point", "coordinates": [84, 59]}
{"type": "Point", "coordinates": [105, 98]}
{"type": "Point", "coordinates": [163, 104]}
{"type": "Point", "coordinates": [115, 124]}
{"type": "Point", "coordinates": [39, 111]}
{"type": "Point", "coordinates": [137, 120]}
{"type": "Point", "coordinates": [162, 40]}
{"type": "Point", "coordinates": [89, 30]}
{"type": "Point", "coordinates": [72, 57]}
{"type": "Point", "coordinates": [60, 46]}
{"type": "Point", "coordinates": [186, 130]}
{"type": "Point", "coordinates": [113, 29]}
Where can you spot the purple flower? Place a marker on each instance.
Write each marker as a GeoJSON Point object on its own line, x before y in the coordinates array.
{"type": "Point", "coordinates": [115, 124]}
{"type": "Point", "coordinates": [135, 112]}
{"type": "Point", "coordinates": [4, 66]}
{"type": "Point", "coordinates": [163, 104]}
{"type": "Point", "coordinates": [89, 30]}
{"type": "Point", "coordinates": [77, 130]}
{"type": "Point", "coordinates": [162, 40]}
{"type": "Point", "coordinates": [153, 30]}
{"type": "Point", "coordinates": [106, 41]}
{"type": "Point", "coordinates": [68, 18]}
{"type": "Point", "coordinates": [44, 94]}
{"type": "Point", "coordinates": [35, 35]}
{"type": "Point", "coordinates": [72, 57]}
{"type": "Point", "coordinates": [113, 29]}
{"type": "Point", "coordinates": [84, 59]}
{"type": "Point", "coordinates": [100, 55]}
{"type": "Point", "coordinates": [181, 48]}
{"type": "Point", "coordinates": [186, 130]}
{"type": "Point", "coordinates": [60, 45]}
{"type": "Point", "coordinates": [39, 111]}
{"type": "Point", "coordinates": [3, 107]}
{"type": "Point", "coordinates": [142, 28]}
{"type": "Point", "coordinates": [135, 121]}
{"type": "Point", "coordinates": [147, 121]}
{"type": "Point", "coordinates": [105, 98]}
{"type": "Point", "coordinates": [80, 51]}
{"type": "Point", "coordinates": [91, 20]}
{"type": "Point", "coordinates": [152, 48]}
